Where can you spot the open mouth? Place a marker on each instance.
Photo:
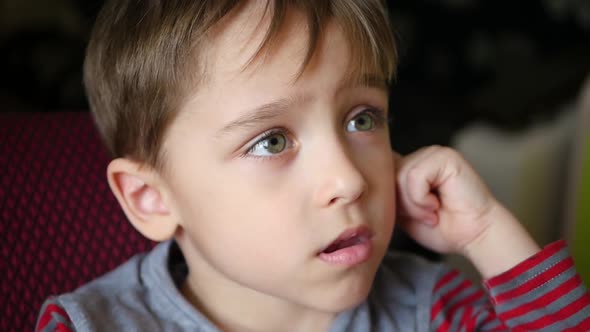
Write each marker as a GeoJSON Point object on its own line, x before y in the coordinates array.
{"type": "Point", "coordinates": [351, 248]}
{"type": "Point", "coordinates": [341, 244]}
{"type": "Point", "coordinates": [349, 238]}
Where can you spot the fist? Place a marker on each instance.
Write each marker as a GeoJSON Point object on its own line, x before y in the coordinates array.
{"type": "Point", "coordinates": [442, 203]}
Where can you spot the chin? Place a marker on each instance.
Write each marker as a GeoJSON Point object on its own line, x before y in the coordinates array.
{"type": "Point", "coordinates": [349, 299]}
{"type": "Point", "coordinates": [348, 294]}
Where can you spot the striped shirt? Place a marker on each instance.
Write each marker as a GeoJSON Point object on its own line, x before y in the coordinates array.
{"type": "Point", "coordinates": [543, 293]}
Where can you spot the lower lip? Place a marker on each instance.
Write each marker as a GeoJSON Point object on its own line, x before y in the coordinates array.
{"type": "Point", "coordinates": [349, 256]}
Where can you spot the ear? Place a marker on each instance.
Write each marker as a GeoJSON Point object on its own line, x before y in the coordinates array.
{"type": "Point", "coordinates": [139, 191]}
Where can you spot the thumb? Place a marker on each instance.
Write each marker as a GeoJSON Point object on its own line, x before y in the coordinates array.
{"type": "Point", "coordinates": [415, 200]}
{"type": "Point", "coordinates": [426, 235]}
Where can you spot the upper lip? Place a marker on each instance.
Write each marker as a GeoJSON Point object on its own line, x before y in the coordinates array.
{"type": "Point", "coordinates": [349, 233]}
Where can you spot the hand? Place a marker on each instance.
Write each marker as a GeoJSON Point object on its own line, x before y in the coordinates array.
{"type": "Point", "coordinates": [445, 206]}
{"type": "Point", "coordinates": [442, 203]}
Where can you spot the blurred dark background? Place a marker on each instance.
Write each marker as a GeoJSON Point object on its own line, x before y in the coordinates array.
{"type": "Point", "coordinates": [507, 63]}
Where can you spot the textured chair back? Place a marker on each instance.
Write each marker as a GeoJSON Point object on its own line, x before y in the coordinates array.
{"type": "Point", "coordinates": [60, 225]}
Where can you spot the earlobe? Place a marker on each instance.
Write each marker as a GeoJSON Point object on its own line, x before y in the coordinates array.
{"type": "Point", "coordinates": [140, 194]}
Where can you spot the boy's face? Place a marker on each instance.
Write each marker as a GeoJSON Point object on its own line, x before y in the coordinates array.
{"type": "Point", "coordinates": [266, 171]}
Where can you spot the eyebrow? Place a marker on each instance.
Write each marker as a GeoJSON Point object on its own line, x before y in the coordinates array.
{"type": "Point", "coordinates": [272, 110]}
{"type": "Point", "coordinates": [264, 112]}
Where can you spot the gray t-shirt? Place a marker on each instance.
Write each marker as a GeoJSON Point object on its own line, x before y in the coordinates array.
{"type": "Point", "coordinates": [143, 295]}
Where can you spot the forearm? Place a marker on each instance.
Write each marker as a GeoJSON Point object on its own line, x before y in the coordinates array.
{"type": "Point", "coordinates": [502, 246]}
{"type": "Point", "coordinates": [543, 292]}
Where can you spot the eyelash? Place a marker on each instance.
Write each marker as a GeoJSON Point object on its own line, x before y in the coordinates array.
{"type": "Point", "coordinates": [378, 115]}
{"type": "Point", "coordinates": [266, 135]}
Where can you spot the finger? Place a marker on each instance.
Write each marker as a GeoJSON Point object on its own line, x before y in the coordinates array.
{"type": "Point", "coordinates": [427, 173]}
{"type": "Point", "coordinates": [414, 197]}
{"type": "Point", "coordinates": [419, 187]}
{"type": "Point", "coordinates": [408, 209]}
{"type": "Point", "coordinates": [412, 161]}
{"type": "Point", "coordinates": [427, 235]}
{"type": "Point", "coordinates": [418, 155]}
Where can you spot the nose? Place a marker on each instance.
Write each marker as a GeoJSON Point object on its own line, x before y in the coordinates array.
{"type": "Point", "coordinates": [339, 181]}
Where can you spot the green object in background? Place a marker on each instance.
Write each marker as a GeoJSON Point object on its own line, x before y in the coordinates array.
{"type": "Point", "coordinates": [581, 236]}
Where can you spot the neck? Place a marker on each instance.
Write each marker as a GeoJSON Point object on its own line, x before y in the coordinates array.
{"type": "Point", "coordinates": [235, 307]}
{"type": "Point", "coordinates": [237, 315]}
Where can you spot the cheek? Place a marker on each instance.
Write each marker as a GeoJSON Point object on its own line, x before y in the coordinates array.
{"type": "Point", "coordinates": [379, 172]}
{"type": "Point", "coordinates": [378, 168]}
{"type": "Point", "coordinates": [234, 216]}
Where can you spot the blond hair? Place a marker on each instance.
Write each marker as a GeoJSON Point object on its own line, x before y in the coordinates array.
{"type": "Point", "coordinates": [141, 52]}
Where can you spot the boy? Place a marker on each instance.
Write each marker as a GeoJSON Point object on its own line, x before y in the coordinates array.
{"type": "Point", "coordinates": [251, 140]}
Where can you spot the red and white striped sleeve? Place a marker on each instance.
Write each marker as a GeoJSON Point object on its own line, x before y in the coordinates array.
{"type": "Point", "coordinates": [543, 293]}
{"type": "Point", "coordinates": [53, 318]}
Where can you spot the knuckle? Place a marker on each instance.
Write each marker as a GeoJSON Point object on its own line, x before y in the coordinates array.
{"type": "Point", "coordinates": [414, 174]}
{"type": "Point", "coordinates": [447, 151]}
{"type": "Point", "coordinates": [430, 149]}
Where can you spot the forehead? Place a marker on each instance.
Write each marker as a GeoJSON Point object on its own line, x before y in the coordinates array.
{"type": "Point", "coordinates": [235, 45]}
{"type": "Point", "coordinates": [235, 42]}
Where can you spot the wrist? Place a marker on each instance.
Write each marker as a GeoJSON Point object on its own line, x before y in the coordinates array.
{"type": "Point", "coordinates": [501, 246]}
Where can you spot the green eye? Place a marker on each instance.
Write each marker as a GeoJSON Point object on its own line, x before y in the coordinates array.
{"type": "Point", "coordinates": [362, 122]}
{"type": "Point", "coordinates": [274, 143]}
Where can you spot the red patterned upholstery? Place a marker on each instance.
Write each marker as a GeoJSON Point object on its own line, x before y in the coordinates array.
{"type": "Point", "coordinates": [60, 226]}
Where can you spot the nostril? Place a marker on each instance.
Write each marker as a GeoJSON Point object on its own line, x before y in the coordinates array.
{"type": "Point", "coordinates": [346, 198]}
